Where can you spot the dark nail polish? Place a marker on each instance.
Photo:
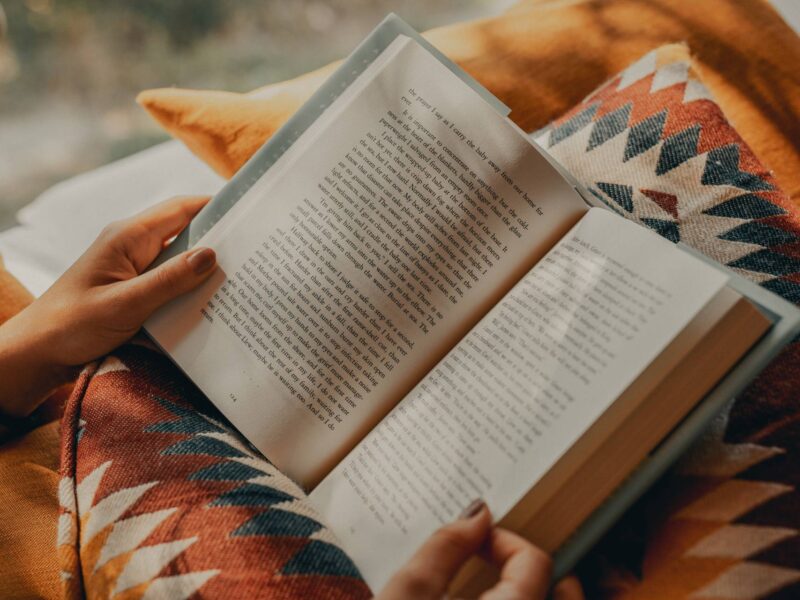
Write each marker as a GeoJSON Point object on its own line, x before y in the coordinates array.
{"type": "Point", "coordinates": [201, 260]}
{"type": "Point", "coordinates": [472, 509]}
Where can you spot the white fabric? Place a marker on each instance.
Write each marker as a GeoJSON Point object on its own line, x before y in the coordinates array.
{"type": "Point", "coordinates": [58, 226]}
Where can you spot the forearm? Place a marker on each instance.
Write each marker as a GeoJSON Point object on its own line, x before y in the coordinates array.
{"type": "Point", "coordinates": [99, 303]}
{"type": "Point", "coordinates": [27, 374]}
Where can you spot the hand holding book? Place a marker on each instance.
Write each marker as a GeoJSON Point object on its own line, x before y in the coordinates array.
{"type": "Point", "coordinates": [98, 304]}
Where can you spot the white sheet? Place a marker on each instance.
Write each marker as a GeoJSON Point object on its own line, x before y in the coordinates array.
{"type": "Point", "coordinates": [57, 227]}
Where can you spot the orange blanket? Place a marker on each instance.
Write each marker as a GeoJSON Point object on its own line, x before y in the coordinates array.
{"type": "Point", "coordinates": [541, 58]}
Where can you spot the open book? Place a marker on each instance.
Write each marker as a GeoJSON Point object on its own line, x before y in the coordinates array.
{"type": "Point", "coordinates": [414, 309]}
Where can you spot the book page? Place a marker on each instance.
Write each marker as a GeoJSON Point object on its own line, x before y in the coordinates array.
{"type": "Point", "coordinates": [369, 248]}
{"type": "Point", "coordinates": [517, 391]}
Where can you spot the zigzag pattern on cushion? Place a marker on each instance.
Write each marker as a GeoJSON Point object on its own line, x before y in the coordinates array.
{"type": "Point", "coordinates": [653, 146]}
{"type": "Point", "coordinates": [166, 501]}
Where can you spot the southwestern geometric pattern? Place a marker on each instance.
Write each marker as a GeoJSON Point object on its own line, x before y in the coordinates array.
{"type": "Point", "coordinates": [160, 499]}
{"type": "Point", "coordinates": [654, 146]}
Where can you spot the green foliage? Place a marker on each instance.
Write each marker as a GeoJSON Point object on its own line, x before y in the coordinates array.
{"type": "Point", "coordinates": [185, 21]}
{"type": "Point", "coordinates": [34, 24]}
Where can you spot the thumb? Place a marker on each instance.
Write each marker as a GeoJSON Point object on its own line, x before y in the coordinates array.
{"type": "Point", "coordinates": [430, 570]}
{"type": "Point", "coordinates": [180, 274]}
{"type": "Point", "coordinates": [568, 589]}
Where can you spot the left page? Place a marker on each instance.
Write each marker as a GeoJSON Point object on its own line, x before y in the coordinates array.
{"type": "Point", "coordinates": [369, 248]}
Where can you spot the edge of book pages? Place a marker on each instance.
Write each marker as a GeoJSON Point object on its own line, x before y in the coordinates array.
{"type": "Point", "coordinates": [784, 316]}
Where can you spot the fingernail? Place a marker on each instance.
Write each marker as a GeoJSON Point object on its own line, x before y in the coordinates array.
{"type": "Point", "coordinates": [201, 260]}
{"type": "Point", "coordinates": [472, 509]}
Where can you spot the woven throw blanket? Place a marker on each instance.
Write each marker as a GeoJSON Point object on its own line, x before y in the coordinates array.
{"type": "Point", "coordinates": [160, 498]}
{"type": "Point", "coordinates": [654, 146]}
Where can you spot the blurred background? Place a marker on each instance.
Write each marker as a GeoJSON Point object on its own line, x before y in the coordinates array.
{"type": "Point", "coordinates": [70, 69]}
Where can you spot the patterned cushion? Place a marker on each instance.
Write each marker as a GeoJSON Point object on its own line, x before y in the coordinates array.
{"type": "Point", "coordinates": [161, 499]}
{"type": "Point", "coordinates": [543, 57]}
{"type": "Point", "coordinates": [653, 146]}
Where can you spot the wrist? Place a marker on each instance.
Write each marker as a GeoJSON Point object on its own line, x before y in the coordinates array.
{"type": "Point", "coordinates": [28, 367]}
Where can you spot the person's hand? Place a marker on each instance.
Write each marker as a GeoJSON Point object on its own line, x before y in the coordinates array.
{"type": "Point", "coordinates": [106, 296]}
{"type": "Point", "coordinates": [99, 303]}
{"type": "Point", "coordinates": [524, 569]}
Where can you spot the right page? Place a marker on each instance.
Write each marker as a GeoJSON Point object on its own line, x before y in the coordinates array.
{"type": "Point", "coordinates": [512, 397]}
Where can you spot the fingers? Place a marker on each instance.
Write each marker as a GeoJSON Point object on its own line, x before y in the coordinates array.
{"type": "Point", "coordinates": [168, 218]}
{"type": "Point", "coordinates": [431, 569]}
{"type": "Point", "coordinates": [524, 569]}
{"type": "Point", "coordinates": [180, 274]}
{"type": "Point", "coordinates": [568, 588]}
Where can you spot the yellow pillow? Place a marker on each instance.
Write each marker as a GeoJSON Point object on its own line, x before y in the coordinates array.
{"type": "Point", "coordinates": [29, 515]}
{"type": "Point", "coordinates": [543, 57]}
